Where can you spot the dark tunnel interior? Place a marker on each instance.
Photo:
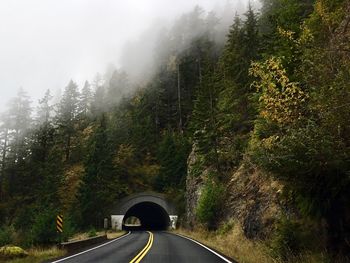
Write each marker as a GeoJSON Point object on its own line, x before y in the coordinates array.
{"type": "Point", "coordinates": [151, 216]}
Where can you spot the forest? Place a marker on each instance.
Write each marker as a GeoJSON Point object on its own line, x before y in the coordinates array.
{"type": "Point", "coordinates": [273, 91]}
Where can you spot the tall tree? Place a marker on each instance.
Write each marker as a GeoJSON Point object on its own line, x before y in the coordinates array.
{"type": "Point", "coordinates": [118, 86]}
{"type": "Point", "coordinates": [45, 109]}
{"type": "Point", "coordinates": [85, 101]}
{"type": "Point", "coordinates": [16, 125]}
{"type": "Point", "coordinates": [172, 156]}
{"type": "Point", "coordinates": [98, 104]}
{"type": "Point", "coordinates": [205, 114]}
{"type": "Point", "coordinates": [67, 116]}
{"type": "Point", "coordinates": [100, 185]}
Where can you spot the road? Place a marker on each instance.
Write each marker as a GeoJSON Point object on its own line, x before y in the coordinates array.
{"type": "Point", "coordinates": [147, 247]}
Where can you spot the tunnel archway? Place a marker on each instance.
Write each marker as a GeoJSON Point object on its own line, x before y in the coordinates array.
{"type": "Point", "coordinates": [151, 215]}
{"type": "Point", "coordinates": [154, 211]}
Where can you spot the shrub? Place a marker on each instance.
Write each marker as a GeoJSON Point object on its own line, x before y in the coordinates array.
{"type": "Point", "coordinates": [288, 239]}
{"type": "Point", "coordinates": [43, 230]}
{"type": "Point", "coordinates": [69, 229]}
{"type": "Point", "coordinates": [225, 228]}
{"type": "Point", "coordinates": [210, 203]}
{"type": "Point", "coordinates": [6, 235]}
{"type": "Point", "coordinates": [9, 252]}
{"type": "Point", "coordinates": [92, 232]}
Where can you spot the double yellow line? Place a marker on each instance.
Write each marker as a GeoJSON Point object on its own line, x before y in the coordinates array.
{"type": "Point", "coordinates": [144, 251]}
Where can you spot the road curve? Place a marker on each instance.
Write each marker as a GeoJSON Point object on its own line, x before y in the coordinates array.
{"type": "Point", "coordinates": [147, 247]}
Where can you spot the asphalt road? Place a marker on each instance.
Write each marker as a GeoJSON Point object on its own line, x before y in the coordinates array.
{"type": "Point", "coordinates": [147, 247]}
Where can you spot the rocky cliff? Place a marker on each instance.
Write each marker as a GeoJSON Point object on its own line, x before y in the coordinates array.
{"type": "Point", "coordinates": [252, 197]}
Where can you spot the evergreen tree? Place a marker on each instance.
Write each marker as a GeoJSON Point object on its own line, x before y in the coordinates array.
{"type": "Point", "coordinates": [45, 109]}
{"type": "Point", "coordinates": [205, 115]}
{"type": "Point", "coordinates": [100, 185]}
{"type": "Point", "coordinates": [98, 104]}
{"type": "Point", "coordinates": [118, 85]}
{"type": "Point", "coordinates": [16, 127]}
{"type": "Point", "coordinates": [235, 101]}
{"type": "Point", "coordinates": [172, 156]}
{"type": "Point", "coordinates": [67, 116]}
{"type": "Point", "coordinates": [85, 101]}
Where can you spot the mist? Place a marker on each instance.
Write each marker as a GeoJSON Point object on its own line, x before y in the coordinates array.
{"type": "Point", "coordinates": [45, 44]}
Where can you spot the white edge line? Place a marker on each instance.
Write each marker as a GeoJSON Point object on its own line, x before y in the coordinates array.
{"type": "Point", "coordinates": [83, 252]}
{"type": "Point", "coordinates": [212, 251]}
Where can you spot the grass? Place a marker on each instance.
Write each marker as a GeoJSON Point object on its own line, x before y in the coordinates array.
{"type": "Point", "coordinates": [232, 243]}
{"type": "Point", "coordinates": [85, 235]}
{"type": "Point", "coordinates": [37, 255]}
{"type": "Point", "coordinates": [114, 234]}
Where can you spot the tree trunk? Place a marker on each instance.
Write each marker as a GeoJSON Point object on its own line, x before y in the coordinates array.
{"type": "Point", "coordinates": [3, 164]}
{"type": "Point", "coordinates": [179, 97]}
{"type": "Point", "coordinates": [68, 147]}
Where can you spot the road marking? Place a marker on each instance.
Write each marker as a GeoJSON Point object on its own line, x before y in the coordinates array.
{"type": "Point", "coordinates": [144, 251]}
{"type": "Point", "coordinates": [212, 251]}
{"type": "Point", "coordinates": [83, 252]}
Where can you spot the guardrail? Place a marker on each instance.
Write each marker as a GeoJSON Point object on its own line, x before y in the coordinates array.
{"type": "Point", "coordinates": [79, 244]}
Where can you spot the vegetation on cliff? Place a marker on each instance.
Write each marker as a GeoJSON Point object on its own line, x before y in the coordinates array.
{"type": "Point", "coordinates": [275, 95]}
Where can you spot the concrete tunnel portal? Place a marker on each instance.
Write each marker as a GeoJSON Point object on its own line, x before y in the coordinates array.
{"type": "Point", "coordinates": [151, 216]}
{"type": "Point", "coordinates": [152, 209]}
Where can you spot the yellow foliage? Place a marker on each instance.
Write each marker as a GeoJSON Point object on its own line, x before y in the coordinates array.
{"type": "Point", "coordinates": [328, 18]}
{"type": "Point", "coordinates": [269, 143]}
{"type": "Point", "coordinates": [12, 252]}
{"type": "Point", "coordinates": [306, 36]}
{"type": "Point", "coordinates": [281, 100]}
{"type": "Point", "coordinates": [125, 155]}
{"type": "Point", "coordinates": [72, 179]}
{"type": "Point", "coordinates": [286, 33]}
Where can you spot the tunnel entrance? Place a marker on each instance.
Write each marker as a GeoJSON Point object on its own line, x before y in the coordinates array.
{"type": "Point", "coordinates": [153, 210]}
{"type": "Point", "coordinates": [151, 217]}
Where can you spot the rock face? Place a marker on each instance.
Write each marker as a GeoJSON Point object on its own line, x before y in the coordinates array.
{"type": "Point", "coordinates": [254, 201]}
{"type": "Point", "coordinates": [194, 186]}
{"type": "Point", "coordinates": [193, 191]}
{"type": "Point", "coordinates": [252, 198]}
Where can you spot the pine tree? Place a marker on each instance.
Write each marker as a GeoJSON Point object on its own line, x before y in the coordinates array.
{"type": "Point", "coordinates": [16, 126]}
{"type": "Point", "coordinates": [45, 109]}
{"type": "Point", "coordinates": [235, 102]}
{"type": "Point", "coordinates": [67, 116]}
{"type": "Point", "coordinates": [100, 185]}
{"type": "Point", "coordinates": [85, 102]}
{"type": "Point", "coordinates": [205, 115]}
{"type": "Point", "coordinates": [118, 86]}
{"type": "Point", "coordinates": [172, 156]}
{"type": "Point", "coordinates": [98, 104]}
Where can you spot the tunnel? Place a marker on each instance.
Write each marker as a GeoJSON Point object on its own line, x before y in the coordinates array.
{"type": "Point", "coordinates": [151, 216]}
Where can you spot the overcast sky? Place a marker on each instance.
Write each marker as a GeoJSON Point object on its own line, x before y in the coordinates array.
{"type": "Point", "coordinates": [45, 43]}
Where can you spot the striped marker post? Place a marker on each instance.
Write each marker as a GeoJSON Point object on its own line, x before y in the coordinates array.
{"type": "Point", "coordinates": [59, 223]}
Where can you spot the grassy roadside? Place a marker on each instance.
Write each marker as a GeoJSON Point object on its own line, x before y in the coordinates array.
{"type": "Point", "coordinates": [85, 235]}
{"type": "Point", "coordinates": [37, 255]}
{"type": "Point", "coordinates": [234, 244]}
{"type": "Point", "coordinates": [114, 234]}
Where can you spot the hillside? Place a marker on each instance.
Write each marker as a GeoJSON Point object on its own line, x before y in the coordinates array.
{"type": "Point", "coordinates": [248, 131]}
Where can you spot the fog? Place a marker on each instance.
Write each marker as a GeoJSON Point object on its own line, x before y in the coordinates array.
{"type": "Point", "coordinates": [45, 43]}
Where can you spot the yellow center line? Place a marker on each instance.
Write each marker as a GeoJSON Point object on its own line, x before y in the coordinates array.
{"type": "Point", "coordinates": [144, 251]}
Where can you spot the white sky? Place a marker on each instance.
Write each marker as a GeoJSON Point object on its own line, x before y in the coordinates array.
{"type": "Point", "coordinates": [45, 43]}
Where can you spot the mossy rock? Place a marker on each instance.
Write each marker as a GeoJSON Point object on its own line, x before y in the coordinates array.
{"type": "Point", "coordinates": [8, 252]}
